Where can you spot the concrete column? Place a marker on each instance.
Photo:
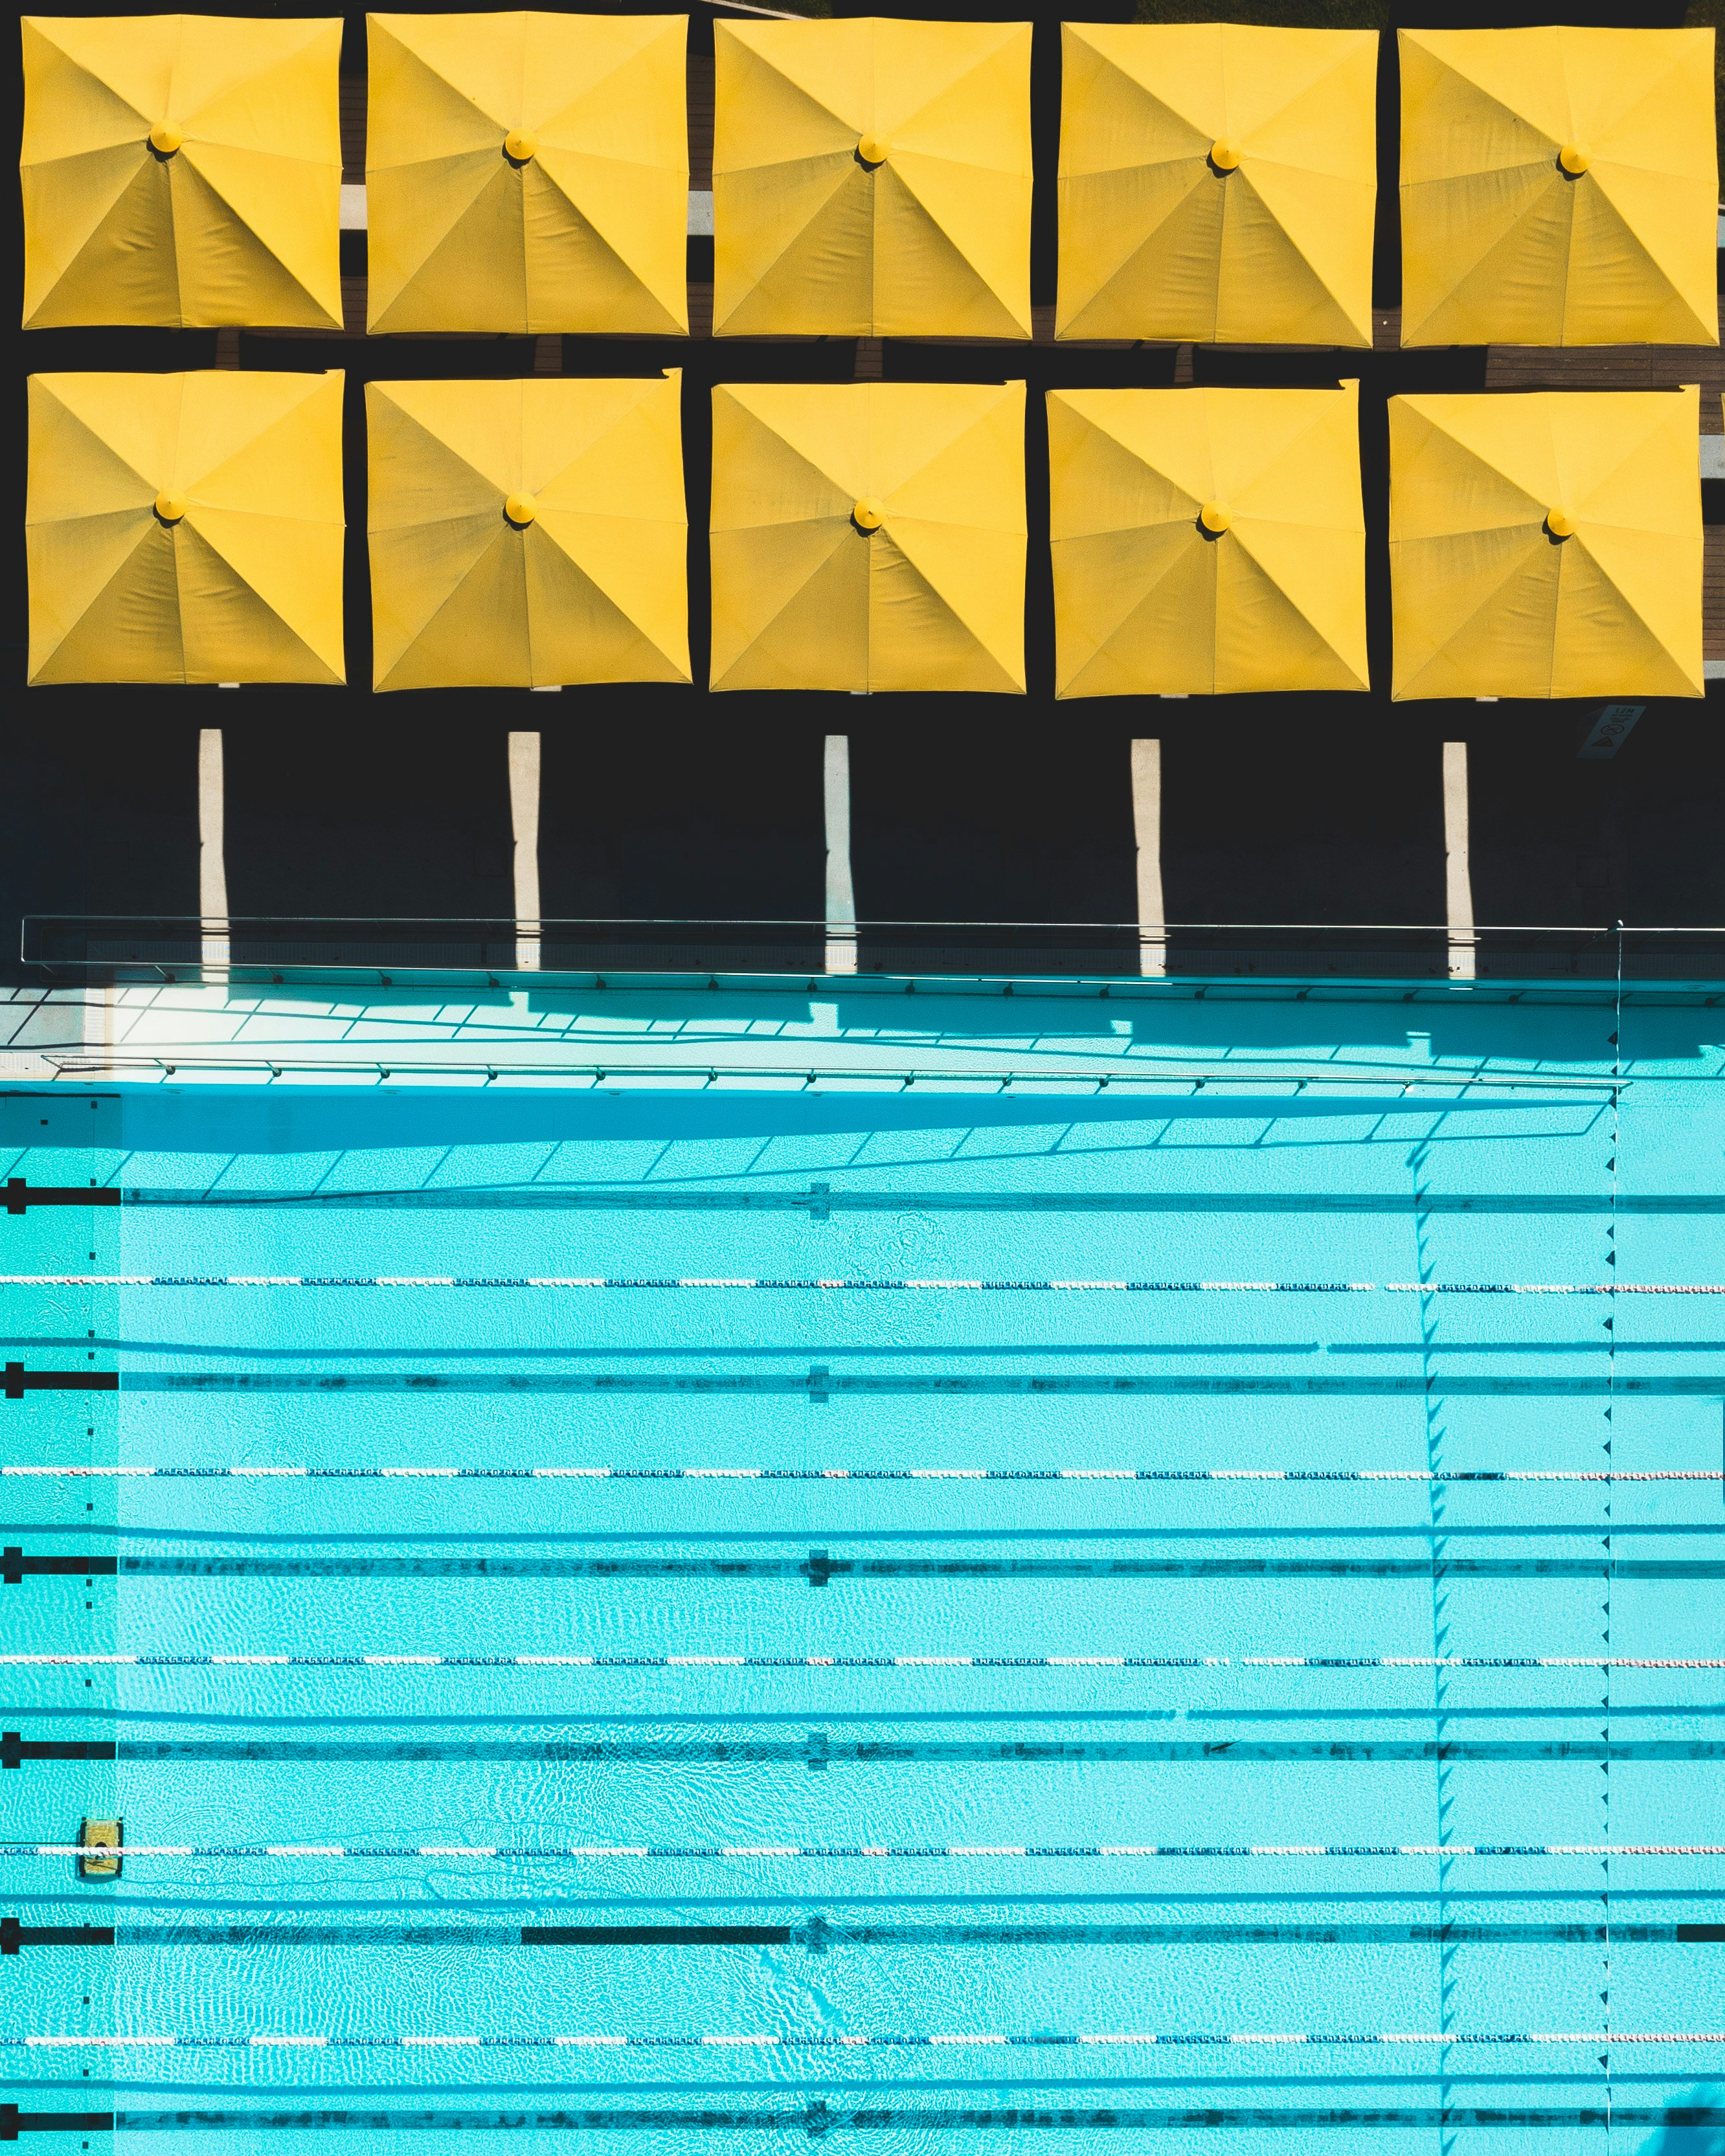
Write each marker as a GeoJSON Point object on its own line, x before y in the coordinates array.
{"type": "Point", "coordinates": [1147, 827]}
{"type": "Point", "coordinates": [217, 946]}
{"type": "Point", "coordinates": [841, 891]}
{"type": "Point", "coordinates": [524, 818]}
{"type": "Point", "coordinates": [1458, 877]}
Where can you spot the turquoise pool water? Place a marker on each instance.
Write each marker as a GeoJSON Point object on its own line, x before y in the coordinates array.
{"type": "Point", "coordinates": [889, 1681]}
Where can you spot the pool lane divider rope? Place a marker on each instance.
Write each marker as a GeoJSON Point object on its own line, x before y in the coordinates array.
{"type": "Point", "coordinates": [862, 1661]}
{"type": "Point", "coordinates": [1205, 2040]}
{"type": "Point", "coordinates": [459, 1474]}
{"type": "Point", "coordinates": [757, 1850]}
{"type": "Point", "coordinates": [849, 1286]}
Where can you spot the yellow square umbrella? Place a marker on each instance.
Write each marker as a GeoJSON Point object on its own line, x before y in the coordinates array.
{"type": "Point", "coordinates": [185, 528]}
{"type": "Point", "coordinates": [526, 534]}
{"type": "Point", "coordinates": [1206, 540]}
{"type": "Point", "coordinates": [1546, 545]}
{"type": "Point", "coordinates": [1558, 187]}
{"type": "Point", "coordinates": [1218, 183]}
{"type": "Point", "coordinates": [181, 170]}
{"type": "Point", "coordinates": [869, 536]}
{"type": "Point", "coordinates": [528, 172]}
{"type": "Point", "coordinates": [871, 178]}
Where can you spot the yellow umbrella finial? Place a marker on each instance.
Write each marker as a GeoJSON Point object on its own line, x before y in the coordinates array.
{"type": "Point", "coordinates": [874, 150]}
{"type": "Point", "coordinates": [1575, 157]}
{"type": "Point", "coordinates": [171, 507]}
{"type": "Point", "coordinates": [1560, 523]}
{"type": "Point", "coordinates": [520, 510]}
{"type": "Point", "coordinates": [164, 140]}
{"type": "Point", "coordinates": [521, 146]}
{"type": "Point", "coordinates": [869, 514]}
{"type": "Point", "coordinates": [1215, 516]}
{"type": "Point", "coordinates": [1225, 153]}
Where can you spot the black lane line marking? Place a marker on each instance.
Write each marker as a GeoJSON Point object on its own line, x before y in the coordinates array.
{"type": "Point", "coordinates": [930, 1385]}
{"type": "Point", "coordinates": [819, 1569]}
{"type": "Point", "coordinates": [15, 1381]}
{"type": "Point", "coordinates": [820, 1935]}
{"type": "Point", "coordinates": [817, 1751]}
{"type": "Point", "coordinates": [14, 2121]}
{"type": "Point", "coordinates": [15, 1935]}
{"type": "Point", "coordinates": [15, 1749]}
{"type": "Point", "coordinates": [538, 1198]}
{"type": "Point", "coordinates": [21, 1195]}
{"type": "Point", "coordinates": [817, 2119]}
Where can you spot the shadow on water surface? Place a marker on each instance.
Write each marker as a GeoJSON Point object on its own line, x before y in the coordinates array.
{"type": "Point", "coordinates": [1704, 2139]}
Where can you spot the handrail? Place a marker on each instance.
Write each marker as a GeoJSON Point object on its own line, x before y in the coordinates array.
{"type": "Point", "coordinates": [266, 949]}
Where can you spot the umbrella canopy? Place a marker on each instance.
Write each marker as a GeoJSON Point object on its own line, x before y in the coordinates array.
{"type": "Point", "coordinates": [185, 528]}
{"type": "Point", "coordinates": [1546, 545]}
{"type": "Point", "coordinates": [528, 172]}
{"type": "Point", "coordinates": [181, 170]}
{"type": "Point", "coordinates": [525, 533]}
{"type": "Point", "coordinates": [869, 536]}
{"type": "Point", "coordinates": [1558, 187]}
{"type": "Point", "coordinates": [1206, 540]}
{"type": "Point", "coordinates": [871, 178]}
{"type": "Point", "coordinates": [1217, 183]}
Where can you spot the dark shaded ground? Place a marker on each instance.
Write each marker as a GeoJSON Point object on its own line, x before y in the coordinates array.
{"type": "Point", "coordinates": [1275, 809]}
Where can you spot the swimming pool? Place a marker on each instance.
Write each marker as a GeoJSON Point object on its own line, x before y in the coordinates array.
{"type": "Point", "coordinates": [1055, 1581]}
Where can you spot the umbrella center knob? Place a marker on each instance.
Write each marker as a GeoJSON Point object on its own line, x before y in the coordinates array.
{"type": "Point", "coordinates": [1225, 153]}
{"type": "Point", "coordinates": [520, 510]}
{"type": "Point", "coordinates": [873, 150]}
{"type": "Point", "coordinates": [1560, 523]}
{"type": "Point", "coordinates": [869, 514]}
{"type": "Point", "coordinates": [171, 507]}
{"type": "Point", "coordinates": [164, 140]}
{"type": "Point", "coordinates": [1575, 157]}
{"type": "Point", "coordinates": [1216, 518]}
{"type": "Point", "coordinates": [521, 146]}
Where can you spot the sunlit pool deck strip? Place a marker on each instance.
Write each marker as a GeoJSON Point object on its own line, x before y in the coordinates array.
{"type": "Point", "coordinates": [641, 1574]}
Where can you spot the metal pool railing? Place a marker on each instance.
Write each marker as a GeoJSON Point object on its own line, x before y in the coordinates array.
{"type": "Point", "coordinates": [274, 949]}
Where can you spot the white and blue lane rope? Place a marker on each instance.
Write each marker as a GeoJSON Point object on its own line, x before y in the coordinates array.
{"type": "Point", "coordinates": [797, 2041]}
{"type": "Point", "coordinates": [266, 1660]}
{"type": "Point", "coordinates": [759, 1851]}
{"type": "Point", "coordinates": [240, 1471]}
{"type": "Point", "coordinates": [867, 1285]}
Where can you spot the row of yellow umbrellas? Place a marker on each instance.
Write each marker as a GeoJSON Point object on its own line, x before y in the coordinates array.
{"type": "Point", "coordinates": [528, 172]}
{"type": "Point", "coordinates": [865, 535]}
